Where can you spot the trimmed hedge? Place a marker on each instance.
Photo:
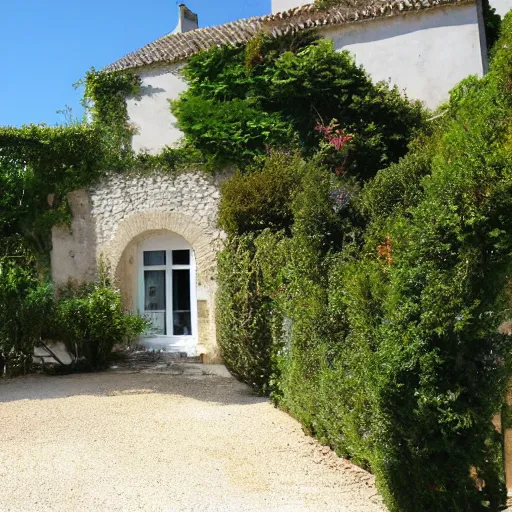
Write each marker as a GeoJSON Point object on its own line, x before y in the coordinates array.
{"type": "Point", "coordinates": [389, 349]}
{"type": "Point", "coordinates": [247, 319]}
{"type": "Point", "coordinates": [261, 200]}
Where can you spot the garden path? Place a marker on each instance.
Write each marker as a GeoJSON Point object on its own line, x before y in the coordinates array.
{"type": "Point", "coordinates": [163, 442]}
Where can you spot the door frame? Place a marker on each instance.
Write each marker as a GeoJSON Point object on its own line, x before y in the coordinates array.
{"type": "Point", "coordinates": [168, 242]}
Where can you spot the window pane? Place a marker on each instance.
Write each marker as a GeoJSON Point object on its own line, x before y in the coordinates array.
{"type": "Point", "coordinates": [154, 299]}
{"type": "Point", "coordinates": [181, 257]}
{"type": "Point", "coordinates": [182, 323]}
{"type": "Point", "coordinates": [182, 317]}
{"type": "Point", "coordinates": [154, 258]}
{"type": "Point", "coordinates": [154, 285]}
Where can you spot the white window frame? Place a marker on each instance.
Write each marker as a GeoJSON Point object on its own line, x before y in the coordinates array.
{"type": "Point", "coordinates": [169, 243]}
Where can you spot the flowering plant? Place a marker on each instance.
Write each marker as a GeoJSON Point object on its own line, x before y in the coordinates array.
{"type": "Point", "coordinates": [336, 138]}
{"type": "Point", "coordinates": [341, 199]}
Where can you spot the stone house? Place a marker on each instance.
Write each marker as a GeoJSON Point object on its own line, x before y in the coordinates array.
{"type": "Point", "coordinates": [158, 234]}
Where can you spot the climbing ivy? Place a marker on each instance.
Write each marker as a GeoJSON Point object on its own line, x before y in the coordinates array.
{"type": "Point", "coordinates": [40, 165]}
{"type": "Point", "coordinates": [105, 97]}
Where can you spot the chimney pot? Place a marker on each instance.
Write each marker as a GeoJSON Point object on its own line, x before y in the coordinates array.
{"type": "Point", "coordinates": [187, 20]}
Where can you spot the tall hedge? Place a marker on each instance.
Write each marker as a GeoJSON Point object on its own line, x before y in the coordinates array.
{"type": "Point", "coordinates": [440, 366]}
{"type": "Point", "coordinates": [249, 325]}
{"type": "Point", "coordinates": [390, 350]}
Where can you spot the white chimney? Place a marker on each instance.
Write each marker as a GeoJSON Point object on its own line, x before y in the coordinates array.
{"type": "Point", "coordinates": [187, 20]}
{"type": "Point", "coordinates": [284, 5]}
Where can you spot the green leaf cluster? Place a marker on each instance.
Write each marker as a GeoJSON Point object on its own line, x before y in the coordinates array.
{"type": "Point", "coordinates": [91, 320]}
{"type": "Point", "coordinates": [39, 165]}
{"type": "Point", "coordinates": [25, 304]}
{"type": "Point", "coordinates": [105, 97]}
{"type": "Point", "coordinates": [274, 92]}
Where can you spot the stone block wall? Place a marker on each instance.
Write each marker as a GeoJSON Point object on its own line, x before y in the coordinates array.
{"type": "Point", "coordinates": [192, 194]}
{"type": "Point", "coordinates": [110, 219]}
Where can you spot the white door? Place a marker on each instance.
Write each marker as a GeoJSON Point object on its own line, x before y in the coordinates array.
{"type": "Point", "coordinates": [167, 293]}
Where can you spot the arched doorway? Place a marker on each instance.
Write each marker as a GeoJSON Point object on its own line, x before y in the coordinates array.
{"type": "Point", "coordinates": [166, 292]}
{"type": "Point", "coordinates": [122, 255]}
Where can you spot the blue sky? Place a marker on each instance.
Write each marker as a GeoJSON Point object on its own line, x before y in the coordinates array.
{"type": "Point", "coordinates": [47, 45]}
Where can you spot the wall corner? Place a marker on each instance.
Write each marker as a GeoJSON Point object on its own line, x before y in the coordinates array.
{"type": "Point", "coordinates": [483, 37]}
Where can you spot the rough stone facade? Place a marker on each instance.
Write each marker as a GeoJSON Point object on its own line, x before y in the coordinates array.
{"type": "Point", "coordinates": [192, 195]}
{"type": "Point", "coordinates": [113, 217]}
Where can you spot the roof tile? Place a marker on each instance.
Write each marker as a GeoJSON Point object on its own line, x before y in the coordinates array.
{"type": "Point", "coordinates": [177, 47]}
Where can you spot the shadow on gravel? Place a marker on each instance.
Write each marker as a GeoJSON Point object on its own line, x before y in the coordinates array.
{"type": "Point", "coordinates": [199, 382]}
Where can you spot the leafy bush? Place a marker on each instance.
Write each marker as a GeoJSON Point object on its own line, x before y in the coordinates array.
{"type": "Point", "coordinates": [275, 91]}
{"type": "Point", "coordinates": [230, 132]}
{"type": "Point", "coordinates": [390, 352]}
{"type": "Point", "coordinates": [246, 318]}
{"type": "Point", "coordinates": [39, 165]}
{"type": "Point", "coordinates": [25, 305]}
{"type": "Point", "coordinates": [91, 322]}
{"type": "Point", "coordinates": [399, 186]}
{"type": "Point", "coordinates": [261, 199]}
{"type": "Point", "coordinates": [409, 337]}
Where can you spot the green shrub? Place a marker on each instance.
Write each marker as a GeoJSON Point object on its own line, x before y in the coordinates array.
{"type": "Point", "coordinates": [275, 92]}
{"type": "Point", "coordinates": [391, 352]}
{"type": "Point", "coordinates": [91, 322]}
{"type": "Point", "coordinates": [25, 306]}
{"type": "Point", "coordinates": [39, 165]}
{"type": "Point", "coordinates": [247, 322]}
{"type": "Point", "coordinates": [261, 199]}
{"type": "Point", "coordinates": [232, 132]}
{"type": "Point", "coordinates": [414, 352]}
{"type": "Point", "coordinates": [398, 187]}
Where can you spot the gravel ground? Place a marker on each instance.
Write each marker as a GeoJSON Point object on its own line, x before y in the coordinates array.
{"type": "Point", "coordinates": [118, 441]}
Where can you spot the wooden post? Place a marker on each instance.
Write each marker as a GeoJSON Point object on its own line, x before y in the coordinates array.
{"type": "Point", "coordinates": [506, 428]}
{"type": "Point", "coordinates": [507, 447]}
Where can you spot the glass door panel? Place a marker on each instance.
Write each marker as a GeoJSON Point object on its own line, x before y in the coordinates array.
{"type": "Point", "coordinates": [181, 258]}
{"type": "Point", "coordinates": [154, 258]}
{"type": "Point", "coordinates": [155, 304]}
{"type": "Point", "coordinates": [181, 311]}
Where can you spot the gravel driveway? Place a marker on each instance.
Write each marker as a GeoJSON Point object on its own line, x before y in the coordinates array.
{"type": "Point", "coordinates": [153, 442]}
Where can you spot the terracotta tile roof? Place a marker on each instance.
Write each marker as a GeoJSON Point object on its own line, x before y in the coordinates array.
{"type": "Point", "coordinates": [177, 47]}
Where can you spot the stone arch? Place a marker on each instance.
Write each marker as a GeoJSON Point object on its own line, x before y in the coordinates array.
{"type": "Point", "coordinates": [202, 240]}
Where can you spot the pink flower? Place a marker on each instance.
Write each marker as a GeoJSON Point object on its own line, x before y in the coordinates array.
{"type": "Point", "coordinates": [333, 135]}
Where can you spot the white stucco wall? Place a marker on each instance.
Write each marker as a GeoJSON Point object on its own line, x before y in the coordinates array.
{"type": "Point", "coordinates": [502, 6]}
{"type": "Point", "coordinates": [284, 5]}
{"type": "Point", "coordinates": [426, 53]}
{"type": "Point", "coordinates": [150, 113]}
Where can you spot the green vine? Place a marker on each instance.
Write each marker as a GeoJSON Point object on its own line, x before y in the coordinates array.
{"type": "Point", "coordinates": [40, 165]}
{"type": "Point", "coordinates": [105, 98]}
